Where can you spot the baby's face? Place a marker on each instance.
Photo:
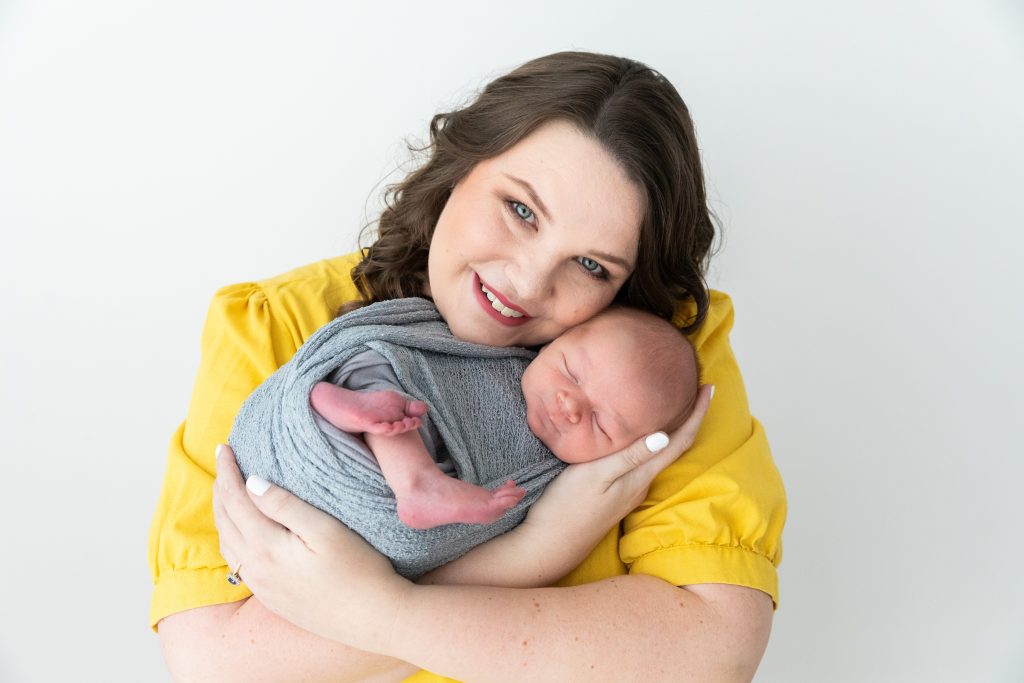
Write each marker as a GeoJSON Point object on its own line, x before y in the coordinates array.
{"type": "Point", "coordinates": [585, 394]}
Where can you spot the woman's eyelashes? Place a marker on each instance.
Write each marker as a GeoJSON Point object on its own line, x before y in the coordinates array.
{"type": "Point", "coordinates": [522, 213]}
{"type": "Point", "coordinates": [593, 268]}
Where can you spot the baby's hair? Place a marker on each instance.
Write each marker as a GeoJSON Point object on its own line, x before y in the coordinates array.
{"type": "Point", "coordinates": [669, 363]}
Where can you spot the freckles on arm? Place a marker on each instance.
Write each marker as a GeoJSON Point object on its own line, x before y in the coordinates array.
{"type": "Point", "coordinates": [626, 628]}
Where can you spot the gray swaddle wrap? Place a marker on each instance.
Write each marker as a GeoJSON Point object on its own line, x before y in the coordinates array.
{"type": "Point", "coordinates": [475, 405]}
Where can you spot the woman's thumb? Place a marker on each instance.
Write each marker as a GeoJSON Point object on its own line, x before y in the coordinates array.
{"type": "Point", "coordinates": [656, 441]}
{"type": "Point", "coordinates": [634, 455]}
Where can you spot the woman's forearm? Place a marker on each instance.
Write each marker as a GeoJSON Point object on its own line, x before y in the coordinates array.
{"type": "Point", "coordinates": [620, 629]}
{"type": "Point", "coordinates": [246, 642]}
{"type": "Point", "coordinates": [529, 556]}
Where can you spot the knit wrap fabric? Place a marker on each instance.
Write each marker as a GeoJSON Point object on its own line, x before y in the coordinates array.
{"type": "Point", "coordinates": [475, 406]}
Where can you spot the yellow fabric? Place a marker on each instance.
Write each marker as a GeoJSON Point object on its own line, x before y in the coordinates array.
{"type": "Point", "coordinates": [714, 516]}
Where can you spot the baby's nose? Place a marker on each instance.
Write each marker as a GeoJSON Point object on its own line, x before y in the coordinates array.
{"type": "Point", "coordinates": [570, 407]}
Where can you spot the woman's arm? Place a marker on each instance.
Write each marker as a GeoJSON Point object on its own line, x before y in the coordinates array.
{"type": "Point", "coordinates": [252, 643]}
{"type": "Point", "coordinates": [708, 632]}
{"type": "Point", "coordinates": [633, 626]}
{"type": "Point", "coordinates": [627, 628]}
{"type": "Point", "coordinates": [601, 493]}
{"type": "Point", "coordinates": [243, 641]}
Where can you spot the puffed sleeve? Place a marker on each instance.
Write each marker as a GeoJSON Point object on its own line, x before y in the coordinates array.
{"type": "Point", "coordinates": [242, 343]}
{"type": "Point", "coordinates": [716, 514]}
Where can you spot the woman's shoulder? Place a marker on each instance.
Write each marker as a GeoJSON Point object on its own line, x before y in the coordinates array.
{"type": "Point", "coordinates": [303, 298]}
{"type": "Point", "coordinates": [717, 323]}
{"type": "Point", "coordinates": [327, 281]}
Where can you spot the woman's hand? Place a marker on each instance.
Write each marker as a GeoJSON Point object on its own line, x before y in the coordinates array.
{"type": "Point", "coordinates": [573, 514]}
{"type": "Point", "coordinates": [303, 564]}
{"type": "Point", "coordinates": [587, 499]}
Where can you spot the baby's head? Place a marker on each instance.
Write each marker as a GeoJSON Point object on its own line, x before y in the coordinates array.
{"type": "Point", "coordinates": [607, 382]}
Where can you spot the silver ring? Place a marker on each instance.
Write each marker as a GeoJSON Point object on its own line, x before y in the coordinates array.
{"type": "Point", "coordinates": [233, 578]}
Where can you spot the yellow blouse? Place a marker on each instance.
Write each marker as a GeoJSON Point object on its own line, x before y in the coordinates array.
{"type": "Point", "coordinates": [713, 516]}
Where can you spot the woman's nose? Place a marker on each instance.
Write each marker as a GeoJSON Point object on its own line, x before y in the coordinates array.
{"type": "Point", "coordinates": [570, 406]}
{"type": "Point", "coordinates": [531, 277]}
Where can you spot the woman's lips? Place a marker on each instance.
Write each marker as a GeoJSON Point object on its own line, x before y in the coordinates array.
{"type": "Point", "coordinates": [485, 303]}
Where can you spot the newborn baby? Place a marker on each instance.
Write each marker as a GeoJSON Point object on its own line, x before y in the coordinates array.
{"type": "Point", "coordinates": [591, 392]}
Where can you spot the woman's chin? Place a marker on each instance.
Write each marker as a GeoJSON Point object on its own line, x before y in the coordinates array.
{"type": "Point", "coordinates": [487, 332]}
{"type": "Point", "coordinates": [477, 333]}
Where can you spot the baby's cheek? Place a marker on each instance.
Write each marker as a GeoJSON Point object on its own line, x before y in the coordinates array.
{"type": "Point", "coordinates": [579, 456]}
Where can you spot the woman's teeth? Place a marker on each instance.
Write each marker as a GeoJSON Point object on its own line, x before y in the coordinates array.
{"type": "Point", "coordinates": [498, 306]}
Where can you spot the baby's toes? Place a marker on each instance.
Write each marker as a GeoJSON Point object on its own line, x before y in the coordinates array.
{"type": "Point", "coordinates": [391, 428]}
{"type": "Point", "coordinates": [416, 408]}
{"type": "Point", "coordinates": [507, 499]}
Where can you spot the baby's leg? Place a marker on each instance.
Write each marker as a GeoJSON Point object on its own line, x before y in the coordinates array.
{"type": "Point", "coordinates": [426, 496]}
{"type": "Point", "coordinates": [373, 412]}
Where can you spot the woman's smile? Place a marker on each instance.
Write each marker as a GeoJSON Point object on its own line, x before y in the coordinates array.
{"type": "Point", "coordinates": [498, 306]}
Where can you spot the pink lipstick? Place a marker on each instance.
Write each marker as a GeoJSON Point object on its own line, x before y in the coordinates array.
{"type": "Point", "coordinates": [489, 308]}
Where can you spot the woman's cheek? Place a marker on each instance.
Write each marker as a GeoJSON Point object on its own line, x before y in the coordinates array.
{"type": "Point", "coordinates": [487, 239]}
{"type": "Point", "coordinates": [583, 305]}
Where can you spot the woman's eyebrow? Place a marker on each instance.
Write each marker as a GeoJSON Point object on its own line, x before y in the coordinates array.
{"type": "Point", "coordinates": [617, 260]}
{"type": "Point", "coordinates": [533, 195]}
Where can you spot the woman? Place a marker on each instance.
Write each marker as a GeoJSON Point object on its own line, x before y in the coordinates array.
{"type": "Point", "coordinates": [572, 182]}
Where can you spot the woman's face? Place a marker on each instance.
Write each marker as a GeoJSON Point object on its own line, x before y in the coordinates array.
{"type": "Point", "coordinates": [513, 266]}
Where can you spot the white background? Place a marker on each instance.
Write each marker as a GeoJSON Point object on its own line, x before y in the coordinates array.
{"type": "Point", "coordinates": [866, 162]}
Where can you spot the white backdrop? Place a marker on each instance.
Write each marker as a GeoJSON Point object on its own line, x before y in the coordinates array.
{"type": "Point", "coordinates": [865, 161]}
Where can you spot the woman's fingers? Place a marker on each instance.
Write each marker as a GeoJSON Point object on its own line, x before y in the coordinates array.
{"type": "Point", "coordinates": [303, 564]}
{"type": "Point", "coordinates": [230, 537]}
{"type": "Point", "coordinates": [263, 512]}
{"type": "Point", "coordinates": [681, 439]}
{"type": "Point", "coordinates": [689, 429]}
{"type": "Point", "coordinates": [653, 453]}
{"type": "Point", "coordinates": [641, 451]}
{"type": "Point", "coordinates": [238, 513]}
{"type": "Point", "coordinates": [289, 511]}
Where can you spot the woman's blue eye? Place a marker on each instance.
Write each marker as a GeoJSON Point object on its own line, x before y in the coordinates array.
{"type": "Point", "coordinates": [592, 267]}
{"type": "Point", "coordinates": [522, 210]}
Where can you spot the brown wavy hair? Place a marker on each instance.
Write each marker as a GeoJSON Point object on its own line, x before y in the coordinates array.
{"type": "Point", "coordinates": [630, 109]}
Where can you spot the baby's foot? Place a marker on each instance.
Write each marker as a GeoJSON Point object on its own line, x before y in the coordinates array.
{"type": "Point", "coordinates": [443, 500]}
{"type": "Point", "coordinates": [374, 412]}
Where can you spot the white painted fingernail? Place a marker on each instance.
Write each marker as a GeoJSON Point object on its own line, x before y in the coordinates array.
{"type": "Point", "coordinates": [257, 485]}
{"type": "Point", "coordinates": [216, 452]}
{"type": "Point", "coordinates": [712, 392]}
{"type": "Point", "coordinates": [656, 441]}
